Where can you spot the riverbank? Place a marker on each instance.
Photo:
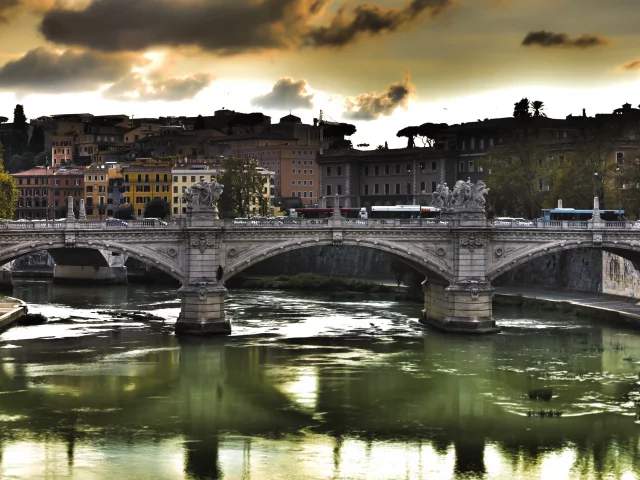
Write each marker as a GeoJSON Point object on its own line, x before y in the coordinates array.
{"type": "Point", "coordinates": [11, 310]}
{"type": "Point", "coordinates": [315, 283]}
{"type": "Point", "coordinates": [621, 310]}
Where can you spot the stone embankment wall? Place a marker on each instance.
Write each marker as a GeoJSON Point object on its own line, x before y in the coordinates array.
{"type": "Point", "coordinates": [619, 276]}
{"type": "Point", "coordinates": [327, 260]}
{"type": "Point", "coordinates": [579, 270]}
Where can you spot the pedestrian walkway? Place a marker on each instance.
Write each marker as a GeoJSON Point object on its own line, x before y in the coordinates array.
{"type": "Point", "coordinates": [624, 305]}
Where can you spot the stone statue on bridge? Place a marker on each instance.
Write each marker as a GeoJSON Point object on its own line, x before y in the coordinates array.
{"type": "Point", "coordinates": [203, 194]}
{"type": "Point", "coordinates": [464, 195]}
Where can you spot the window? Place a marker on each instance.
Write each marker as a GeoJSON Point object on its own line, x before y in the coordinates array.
{"type": "Point", "coordinates": [304, 194]}
{"type": "Point", "coordinates": [193, 178]}
{"type": "Point", "coordinates": [408, 188]}
{"type": "Point", "coordinates": [328, 190]}
{"type": "Point", "coordinates": [310, 172]}
{"type": "Point", "coordinates": [175, 178]}
{"type": "Point", "coordinates": [376, 189]}
{"type": "Point", "coordinates": [339, 189]}
{"type": "Point", "coordinates": [386, 169]}
{"type": "Point", "coordinates": [366, 189]}
{"type": "Point", "coordinates": [310, 194]}
{"type": "Point", "coordinates": [376, 170]}
{"type": "Point", "coordinates": [434, 166]}
{"type": "Point", "coordinates": [328, 171]}
{"type": "Point", "coordinates": [299, 182]}
{"type": "Point", "coordinates": [433, 186]}
{"type": "Point", "coordinates": [304, 171]}
{"type": "Point", "coordinates": [184, 178]}
{"type": "Point", "coordinates": [561, 158]}
{"type": "Point", "coordinates": [491, 142]}
{"type": "Point", "coordinates": [386, 189]}
{"type": "Point", "coordinates": [482, 144]}
{"type": "Point", "coordinates": [293, 182]}
{"type": "Point", "coordinates": [408, 168]}
{"type": "Point", "coordinates": [461, 167]}
{"type": "Point", "coordinates": [619, 158]}
{"type": "Point", "coordinates": [293, 194]}
{"type": "Point", "coordinates": [310, 182]}
{"type": "Point", "coordinates": [397, 169]}
{"type": "Point", "coordinates": [293, 171]}
{"type": "Point", "coordinates": [304, 182]}
{"type": "Point", "coordinates": [471, 166]}
{"type": "Point", "coordinates": [299, 172]}
{"type": "Point", "coordinates": [422, 166]}
{"type": "Point", "coordinates": [397, 189]}
{"type": "Point", "coordinates": [366, 170]}
{"type": "Point", "coordinates": [423, 187]}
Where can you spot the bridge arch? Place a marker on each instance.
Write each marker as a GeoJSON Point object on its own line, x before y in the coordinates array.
{"type": "Point", "coordinates": [426, 264]}
{"type": "Point", "coordinates": [138, 252]}
{"type": "Point", "coordinates": [629, 251]}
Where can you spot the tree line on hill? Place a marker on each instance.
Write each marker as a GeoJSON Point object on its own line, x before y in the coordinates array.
{"type": "Point", "coordinates": [21, 151]}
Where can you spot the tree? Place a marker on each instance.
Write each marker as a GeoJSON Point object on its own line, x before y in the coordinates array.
{"type": "Point", "coordinates": [157, 208]}
{"type": "Point", "coordinates": [36, 142]}
{"type": "Point", "coordinates": [428, 131]}
{"type": "Point", "coordinates": [537, 108]}
{"type": "Point", "coordinates": [8, 192]}
{"type": "Point", "coordinates": [200, 123]}
{"type": "Point", "coordinates": [521, 109]}
{"type": "Point", "coordinates": [410, 133]}
{"type": "Point", "coordinates": [336, 133]}
{"type": "Point", "coordinates": [20, 131]}
{"type": "Point", "coordinates": [243, 188]}
{"type": "Point", "coordinates": [518, 171]}
{"type": "Point", "coordinates": [4, 119]}
{"type": "Point", "coordinates": [20, 163]}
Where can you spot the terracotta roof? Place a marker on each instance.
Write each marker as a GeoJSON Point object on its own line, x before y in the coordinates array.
{"type": "Point", "coordinates": [35, 172]}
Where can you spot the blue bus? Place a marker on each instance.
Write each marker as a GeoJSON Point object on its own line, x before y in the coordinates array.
{"type": "Point", "coordinates": [571, 214]}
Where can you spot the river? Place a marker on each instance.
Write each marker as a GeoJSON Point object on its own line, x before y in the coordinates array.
{"type": "Point", "coordinates": [310, 387]}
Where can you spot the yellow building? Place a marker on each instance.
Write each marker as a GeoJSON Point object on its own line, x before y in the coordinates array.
{"type": "Point", "coordinates": [183, 178]}
{"type": "Point", "coordinates": [144, 181]}
{"type": "Point", "coordinates": [99, 201]}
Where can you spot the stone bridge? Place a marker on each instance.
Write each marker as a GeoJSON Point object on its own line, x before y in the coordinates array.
{"type": "Point", "coordinates": [459, 254]}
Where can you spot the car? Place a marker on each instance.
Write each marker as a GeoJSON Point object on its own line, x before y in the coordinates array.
{"type": "Point", "coordinates": [115, 222]}
{"type": "Point", "coordinates": [156, 222]}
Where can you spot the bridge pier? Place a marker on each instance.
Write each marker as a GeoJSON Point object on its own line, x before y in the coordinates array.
{"type": "Point", "coordinates": [202, 292]}
{"type": "Point", "coordinates": [461, 307]}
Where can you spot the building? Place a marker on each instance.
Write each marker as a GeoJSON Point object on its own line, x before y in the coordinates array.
{"type": "Point", "coordinates": [405, 176]}
{"type": "Point", "coordinates": [176, 142]}
{"type": "Point", "coordinates": [98, 179]}
{"type": "Point", "coordinates": [67, 182]}
{"type": "Point", "coordinates": [145, 180]}
{"type": "Point", "coordinates": [182, 178]}
{"type": "Point", "coordinates": [36, 199]}
{"type": "Point", "coordinates": [62, 147]}
{"type": "Point", "coordinates": [292, 158]}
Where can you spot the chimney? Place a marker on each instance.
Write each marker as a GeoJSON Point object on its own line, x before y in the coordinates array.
{"type": "Point", "coordinates": [584, 112]}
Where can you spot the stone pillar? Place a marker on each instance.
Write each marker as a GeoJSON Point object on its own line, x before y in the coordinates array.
{"type": "Point", "coordinates": [70, 216]}
{"type": "Point", "coordinates": [82, 215]}
{"type": "Point", "coordinates": [203, 292]}
{"type": "Point", "coordinates": [596, 219]}
{"type": "Point", "coordinates": [465, 305]}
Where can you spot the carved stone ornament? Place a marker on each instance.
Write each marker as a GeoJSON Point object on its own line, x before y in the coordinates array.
{"type": "Point", "coordinates": [203, 242]}
{"type": "Point", "coordinates": [471, 242]}
{"type": "Point", "coordinates": [203, 194]}
{"type": "Point", "coordinates": [202, 293]}
{"type": "Point", "coordinates": [499, 252]}
{"type": "Point", "coordinates": [463, 195]}
{"type": "Point", "coordinates": [440, 252]}
{"type": "Point", "coordinates": [172, 252]}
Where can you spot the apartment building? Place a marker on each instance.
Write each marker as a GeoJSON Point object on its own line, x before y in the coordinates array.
{"type": "Point", "coordinates": [62, 147]}
{"type": "Point", "coordinates": [289, 150]}
{"type": "Point", "coordinates": [381, 177]}
{"type": "Point", "coordinates": [145, 180]}
{"type": "Point", "coordinates": [67, 182]}
{"type": "Point", "coordinates": [98, 180]}
{"type": "Point", "coordinates": [36, 193]}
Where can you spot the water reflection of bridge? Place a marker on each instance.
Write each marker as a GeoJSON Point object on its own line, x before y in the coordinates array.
{"type": "Point", "coordinates": [354, 404]}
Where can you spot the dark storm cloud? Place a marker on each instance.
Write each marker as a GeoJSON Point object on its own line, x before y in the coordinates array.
{"type": "Point", "coordinates": [347, 25]}
{"type": "Point", "coordinates": [370, 106]}
{"type": "Point", "coordinates": [546, 39]}
{"type": "Point", "coordinates": [286, 94]}
{"type": "Point", "coordinates": [137, 87]}
{"type": "Point", "coordinates": [5, 6]}
{"type": "Point", "coordinates": [224, 26]}
{"type": "Point", "coordinates": [44, 71]}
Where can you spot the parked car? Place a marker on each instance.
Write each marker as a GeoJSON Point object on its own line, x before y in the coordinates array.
{"type": "Point", "coordinates": [115, 222]}
{"type": "Point", "coordinates": [155, 221]}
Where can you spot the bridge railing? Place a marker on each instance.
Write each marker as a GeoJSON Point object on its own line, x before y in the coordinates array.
{"type": "Point", "coordinates": [268, 222]}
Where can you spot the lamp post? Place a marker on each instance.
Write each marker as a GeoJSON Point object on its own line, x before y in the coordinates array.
{"type": "Point", "coordinates": [595, 177]}
{"type": "Point", "coordinates": [619, 187]}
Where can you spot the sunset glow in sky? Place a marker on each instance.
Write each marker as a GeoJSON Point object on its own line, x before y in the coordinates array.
{"type": "Point", "coordinates": [381, 65]}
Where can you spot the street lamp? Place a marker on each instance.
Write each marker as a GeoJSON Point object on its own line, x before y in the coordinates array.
{"type": "Point", "coordinates": [595, 177]}
{"type": "Point", "coordinates": [619, 187]}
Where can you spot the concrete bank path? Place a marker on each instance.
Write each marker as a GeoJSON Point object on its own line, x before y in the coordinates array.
{"type": "Point", "coordinates": [625, 306]}
{"type": "Point", "coordinates": [11, 309]}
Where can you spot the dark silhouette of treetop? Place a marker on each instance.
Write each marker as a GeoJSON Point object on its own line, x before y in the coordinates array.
{"type": "Point", "coordinates": [521, 109]}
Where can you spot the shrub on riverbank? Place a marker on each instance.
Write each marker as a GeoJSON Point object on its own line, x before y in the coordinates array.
{"type": "Point", "coordinates": [309, 281]}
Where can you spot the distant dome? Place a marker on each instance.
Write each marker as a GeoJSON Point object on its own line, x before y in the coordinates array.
{"type": "Point", "coordinates": [290, 119]}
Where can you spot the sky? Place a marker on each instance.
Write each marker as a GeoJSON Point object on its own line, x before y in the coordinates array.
{"type": "Point", "coordinates": [381, 65]}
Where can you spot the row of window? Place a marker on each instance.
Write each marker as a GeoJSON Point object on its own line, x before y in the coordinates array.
{"type": "Point", "coordinates": [302, 194]}
{"type": "Point", "coordinates": [43, 181]}
{"type": "Point", "coordinates": [302, 182]}
{"type": "Point", "coordinates": [144, 200]}
{"type": "Point", "coordinates": [94, 178]}
{"type": "Point", "coordinates": [29, 192]}
{"type": "Point", "coordinates": [62, 151]}
{"type": "Point", "coordinates": [302, 172]}
{"type": "Point", "coordinates": [165, 177]}
{"type": "Point", "coordinates": [193, 178]}
{"type": "Point", "coordinates": [89, 188]}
